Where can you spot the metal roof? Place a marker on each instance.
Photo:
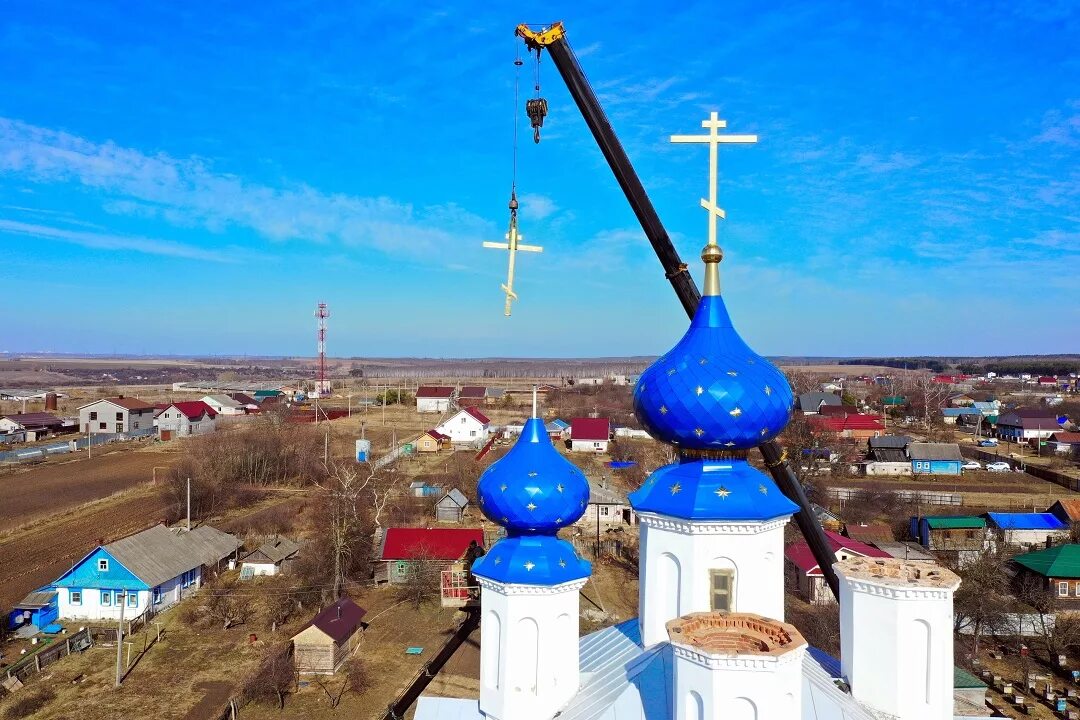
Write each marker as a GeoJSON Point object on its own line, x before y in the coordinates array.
{"type": "Point", "coordinates": [602, 495]}
{"type": "Point", "coordinates": [34, 420]}
{"type": "Point", "coordinates": [954, 522]}
{"type": "Point", "coordinates": [814, 400]}
{"type": "Point", "coordinates": [35, 600]}
{"type": "Point", "coordinates": [456, 496]}
{"type": "Point", "coordinates": [160, 553]}
{"type": "Point", "coordinates": [1061, 561]}
{"type": "Point", "coordinates": [1026, 521]}
{"type": "Point", "coordinates": [225, 401]}
{"type": "Point", "coordinates": [274, 550]}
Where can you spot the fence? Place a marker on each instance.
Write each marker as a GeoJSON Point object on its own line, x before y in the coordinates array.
{"type": "Point", "coordinates": [62, 447]}
{"type": "Point", "coordinates": [58, 648]}
{"type": "Point", "coordinates": [926, 497]}
{"type": "Point", "coordinates": [1038, 471]}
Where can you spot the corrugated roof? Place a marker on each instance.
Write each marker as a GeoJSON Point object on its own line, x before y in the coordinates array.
{"type": "Point", "coordinates": [590, 429]}
{"type": "Point", "coordinates": [812, 401]}
{"type": "Point", "coordinates": [274, 550]}
{"type": "Point", "coordinates": [35, 420]}
{"type": "Point", "coordinates": [438, 543]}
{"type": "Point", "coordinates": [1061, 561]}
{"type": "Point", "coordinates": [601, 495]}
{"type": "Point", "coordinates": [954, 522]}
{"type": "Point", "coordinates": [35, 600]}
{"type": "Point", "coordinates": [934, 451]}
{"type": "Point", "coordinates": [800, 554]}
{"type": "Point", "coordinates": [225, 401]}
{"type": "Point", "coordinates": [1026, 521]}
{"type": "Point", "coordinates": [1070, 508]}
{"type": "Point", "coordinates": [194, 409]}
{"type": "Point", "coordinates": [159, 553]}
{"type": "Point", "coordinates": [456, 496]}
{"type": "Point", "coordinates": [339, 620]}
{"type": "Point", "coordinates": [472, 391]}
{"type": "Point", "coordinates": [475, 412]}
{"type": "Point", "coordinates": [434, 391]}
{"type": "Point", "coordinates": [870, 532]}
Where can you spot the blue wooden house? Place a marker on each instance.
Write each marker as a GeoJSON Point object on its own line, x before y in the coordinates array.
{"type": "Point", "coordinates": [935, 458]}
{"type": "Point", "coordinates": [37, 609]}
{"type": "Point", "coordinates": [153, 568]}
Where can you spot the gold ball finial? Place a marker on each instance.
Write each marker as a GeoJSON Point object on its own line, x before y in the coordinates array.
{"type": "Point", "coordinates": [712, 254]}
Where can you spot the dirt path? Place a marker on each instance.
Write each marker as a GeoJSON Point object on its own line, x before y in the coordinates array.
{"type": "Point", "coordinates": [38, 554]}
{"type": "Point", "coordinates": [48, 489]}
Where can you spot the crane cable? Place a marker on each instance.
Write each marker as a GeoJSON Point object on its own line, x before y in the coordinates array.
{"type": "Point", "coordinates": [518, 62]}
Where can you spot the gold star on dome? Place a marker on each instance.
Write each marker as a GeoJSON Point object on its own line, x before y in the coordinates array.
{"type": "Point", "coordinates": [505, 519]}
{"type": "Point", "coordinates": [732, 373]}
{"type": "Point", "coordinates": [663, 409]}
{"type": "Point", "coordinates": [531, 507]}
{"type": "Point", "coordinates": [498, 560]}
{"type": "Point", "coordinates": [768, 390]}
{"type": "Point", "coordinates": [533, 474]}
{"type": "Point", "coordinates": [736, 412]}
{"type": "Point", "coordinates": [722, 492]}
{"type": "Point", "coordinates": [559, 487]}
{"type": "Point", "coordinates": [764, 432]}
{"type": "Point", "coordinates": [699, 389]}
{"type": "Point", "coordinates": [763, 490]}
{"type": "Point", "coordinates": [703, 361]}
{"type": "Point", "coordinates": [481, 499]}
{"type": "Point", "coordinates": [672, 371]}
{"type": "Point", "coordinates": [641, 387]}
{"type": "Point", "coordinates": [676, 489]}
{"type": "Point", "coordinates": [558, 520]}
{"type": "Point", "coordinates": [699, 432]}
{"type": "Point", "coordinates": [562, 563]}
{"type": "Point", "coordinates": [503, 487]}
{"type": "Point", "coordinates": [529, 566]}
{"type": "Point", "coordinates": [729, 444]}
{"type": "Point", "coordinates": [750, 361]}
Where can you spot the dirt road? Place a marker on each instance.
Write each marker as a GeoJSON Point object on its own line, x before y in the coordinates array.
{"type": "Point", "coordinates": [28, 494]}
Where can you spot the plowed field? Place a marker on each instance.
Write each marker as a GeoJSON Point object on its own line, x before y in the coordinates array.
{"type": "Point", "coordinates": [49, 489]}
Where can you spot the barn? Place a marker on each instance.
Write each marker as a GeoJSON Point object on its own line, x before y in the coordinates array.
{"type": "Point", "coordinates": [451, 506]}
{"type": "Point", "coordinates": [328, 640]}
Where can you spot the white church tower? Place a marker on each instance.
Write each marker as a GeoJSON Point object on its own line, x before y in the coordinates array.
{"type": "Point", "coordinates": [530, 581]}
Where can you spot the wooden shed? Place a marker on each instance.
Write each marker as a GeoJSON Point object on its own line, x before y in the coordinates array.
{"type": "Point", "coordinates": [329, 639]}
{"type": "Point", "coordinates": [451, 506]}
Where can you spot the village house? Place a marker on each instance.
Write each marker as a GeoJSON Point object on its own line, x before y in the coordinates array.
{"type": "Point", "coordinates": [181, 419]}
{"type": "Point", "coordinates": [810, 403]}
{"type": "Point", "coordinates": [116, 415]}
{"type": "Point", "coordinates": [432, 441]}
{"type": "Point", "coordinates": [590, 434]}
{"type": "Point", "coordinates": [451, 507]}
{"type": "Point", "coordinates": [273, 557]}
{"type": "Point", "coordinates": [471, 395]}
{"type": "Point", "coordinates": [1023, 424]}
{"type": "Point", "coordinates": [249, 403]}
{"type": "Point", "coordinates": [804, 574]}
{"type": "Point", "coordinates": [887, 455]}
{"type": "Point", "coordinates": [37, 609]}
{"type": "Point", "coordinates": [433, 398]}
{"type": "Point", "coordinates": [1067, 510]}
{"type": "Point", "coordinates": [852, 426]}
{"type": "Point", "coordinates": [953, 415]}
{"type": "Point", "coordinates": [961, 536]}
{"type": "Point", "coordinates": [466, 427]}
{"type": "Point", "coordinates": [224, 405]}
{"type": "Point", "coordinates": [935, 458]}
{"type": "Point", "coordinates": [1065, 442]}
{"type": "Point", "coordinates": [154, 569]}
{"type": "Point", "coordinates": [403, 547]}
{"type": "Point", "coordinates": [607, 508]}
{"type": "Point", "coordinates": [1055, 568]}
{"type": "Point", "coordinates": [326, 642]}
{"type": "Point", "coordinates": [1028, 529]}
{"type": "Point", "coordinates": [30, 426]}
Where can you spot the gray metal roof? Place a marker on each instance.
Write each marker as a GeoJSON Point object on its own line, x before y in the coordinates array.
{"type": "Point", "coordinates": [814, 400]}
{"type": "Point", "coordinates": [456, 496]}
{"type": "Point", "coordinates": [225, 401]}
{"type": "Point", "coordinates": [601, 495]}
{"type": "Point", "coordinates": [160, 553]}
{"type": "Point", "coordinates": [934, 451]}
{"type": "Point", "coordinates": [890, 441]}
{"type": "Point", "coordinates": [35, 600]}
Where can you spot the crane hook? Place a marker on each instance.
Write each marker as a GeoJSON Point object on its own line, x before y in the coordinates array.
{"type": "Point", "coordinates": [536, 109]}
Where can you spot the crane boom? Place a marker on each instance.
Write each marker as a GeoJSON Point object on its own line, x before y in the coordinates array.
{"type": "Point", "coordinates": [553, 39]}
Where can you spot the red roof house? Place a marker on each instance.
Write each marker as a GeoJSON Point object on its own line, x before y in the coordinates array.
{"type": "Point", "coordinates": [590, 434]}
{"type": "Point", "coordinates": [434, 391]}
{"type": "Point", "coordinates": [806, 573]}
{"type": "Point", "coordinates": [857, 426]}
{"type": "Point", "coordinates": [194, 409]}
{"type": "Point", "coordinates": [430, 543]}
{"type": "Point", "coordinates": [475, 412]}
{"type": "Point", "coordinates": [472, 393]}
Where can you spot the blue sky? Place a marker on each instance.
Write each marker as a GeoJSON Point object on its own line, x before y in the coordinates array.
{"type": "Point", "coordinates": [192, 178]}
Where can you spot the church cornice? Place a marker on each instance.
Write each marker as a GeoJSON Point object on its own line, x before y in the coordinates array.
{"type": "Point", "coordinates": [519, 589]}
{"type": "Point", "coordinates": [895, 592]}
{"type": "Point", "coordinates": [753, 663]}
{"type": "Point", "coordinates": [711, 527]}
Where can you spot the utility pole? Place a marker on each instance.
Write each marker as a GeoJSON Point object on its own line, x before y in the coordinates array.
{"type": "Point", "coordinates": [122, 596]}
{"type": "Point", "coordinates": [189, 504]}
{"type": "Point", "coordinates": [88, 438]}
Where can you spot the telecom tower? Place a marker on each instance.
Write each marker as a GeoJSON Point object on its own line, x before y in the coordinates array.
{"type": "Point", "coordinates": [322, 385]}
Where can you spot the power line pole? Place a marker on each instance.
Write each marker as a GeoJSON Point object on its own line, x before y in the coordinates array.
{"type": "Point", "coordinates": [122, 596]}
{"type": "Point", "coordinates": [189, 504]}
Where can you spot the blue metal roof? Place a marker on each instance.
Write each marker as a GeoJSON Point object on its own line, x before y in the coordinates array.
{"type": "Point", "coordinates": [960, 411]}
{"type": "Point", "coordinates": [711, 391]}
{"type": "Point", "coordinates": [533, 489]}
{"type": "Point", "coordinates": [712, 490]}
{"type": "Point", "coordinates": [532, 560]}
{"type": "Point", "coordinates": [1026, 521]}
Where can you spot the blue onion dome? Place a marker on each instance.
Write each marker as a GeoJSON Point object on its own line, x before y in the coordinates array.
{"type": "Point", "coordinates": [533, 490]}
{"type": "Point", "coordinates": [711, 392]}
{"type": "Point", "coordinates": [532, 560]}
{"type": "Point", "coordinates": [712, 489]}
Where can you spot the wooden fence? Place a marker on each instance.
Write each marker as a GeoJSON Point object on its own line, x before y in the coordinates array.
{"type": "Point", "coordinates": [60, 647]}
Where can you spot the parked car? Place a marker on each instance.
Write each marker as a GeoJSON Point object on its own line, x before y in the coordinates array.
{"type": "Point", "coordinates": [988, 442]}
{"type": "Point", "coordinates": [998, 467]}
{"type": "Point", "coordinates": [971, 465]}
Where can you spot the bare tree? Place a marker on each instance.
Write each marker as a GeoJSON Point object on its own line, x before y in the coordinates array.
{"type": "Point", "coordinates": [274, 677]}
{"type": "Point", "coordinates": [982, 600]}
{"type": "Point", "coordinates": [1057, 630]}
{"type": "Point", "coordinates": [230, 610]}
{"type": "Point", "coordinates": [422, 577]}
{"type": "Point", "coordinates": [359, 677]}
{"type": "Point", "coordinates": [344, 492]}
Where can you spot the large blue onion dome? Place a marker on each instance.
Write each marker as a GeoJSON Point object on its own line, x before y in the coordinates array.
{"type": "Point", "coordinates": [712, 489]}
{"type": "Point", "coordinates": [711, 391]}
{"type": "Point", "coordinates": [533, 490]}
{"type": "Point", "coordinates": [532, 560]}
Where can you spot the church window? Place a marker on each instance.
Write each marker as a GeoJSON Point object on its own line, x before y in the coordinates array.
{"type": "Point", "coordinates": [720, 589]}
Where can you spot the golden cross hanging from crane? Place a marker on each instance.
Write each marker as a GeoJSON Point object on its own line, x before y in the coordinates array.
{"type": "Point", "coordinates": [714, 138]}
{"type": "Point", "coordinates": [513, 246]}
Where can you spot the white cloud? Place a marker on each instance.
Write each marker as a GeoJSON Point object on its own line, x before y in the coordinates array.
{"type": "Point", "coordinates": [188, 192]}
{"type": "Point", "coordinates": [106, 241]}
{"type": "Point", "coordinates": [537, 207]}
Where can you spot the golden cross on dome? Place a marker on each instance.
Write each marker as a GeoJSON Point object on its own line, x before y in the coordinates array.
{"type": "Point", "coordinates": [513, 245]}
{"type": "Point", "coordinates": [714, 139]}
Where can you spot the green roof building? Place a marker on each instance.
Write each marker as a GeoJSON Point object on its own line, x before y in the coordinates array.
{"type": "Point", "coordinates": [1057, 567]}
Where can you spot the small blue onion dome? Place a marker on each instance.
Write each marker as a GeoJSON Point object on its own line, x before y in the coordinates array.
{"type": "Point", "coordinates": [533, 490]}
{"type": "Point", "coordinates": [712, 490]}
{"type": "Point", "coordinates": [711, 391]}
{"type": "Point", "coordinates": [532, 560]}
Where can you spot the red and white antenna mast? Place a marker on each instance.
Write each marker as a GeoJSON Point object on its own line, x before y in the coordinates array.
{"type": "Point", "coordinates": [321, 313]}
